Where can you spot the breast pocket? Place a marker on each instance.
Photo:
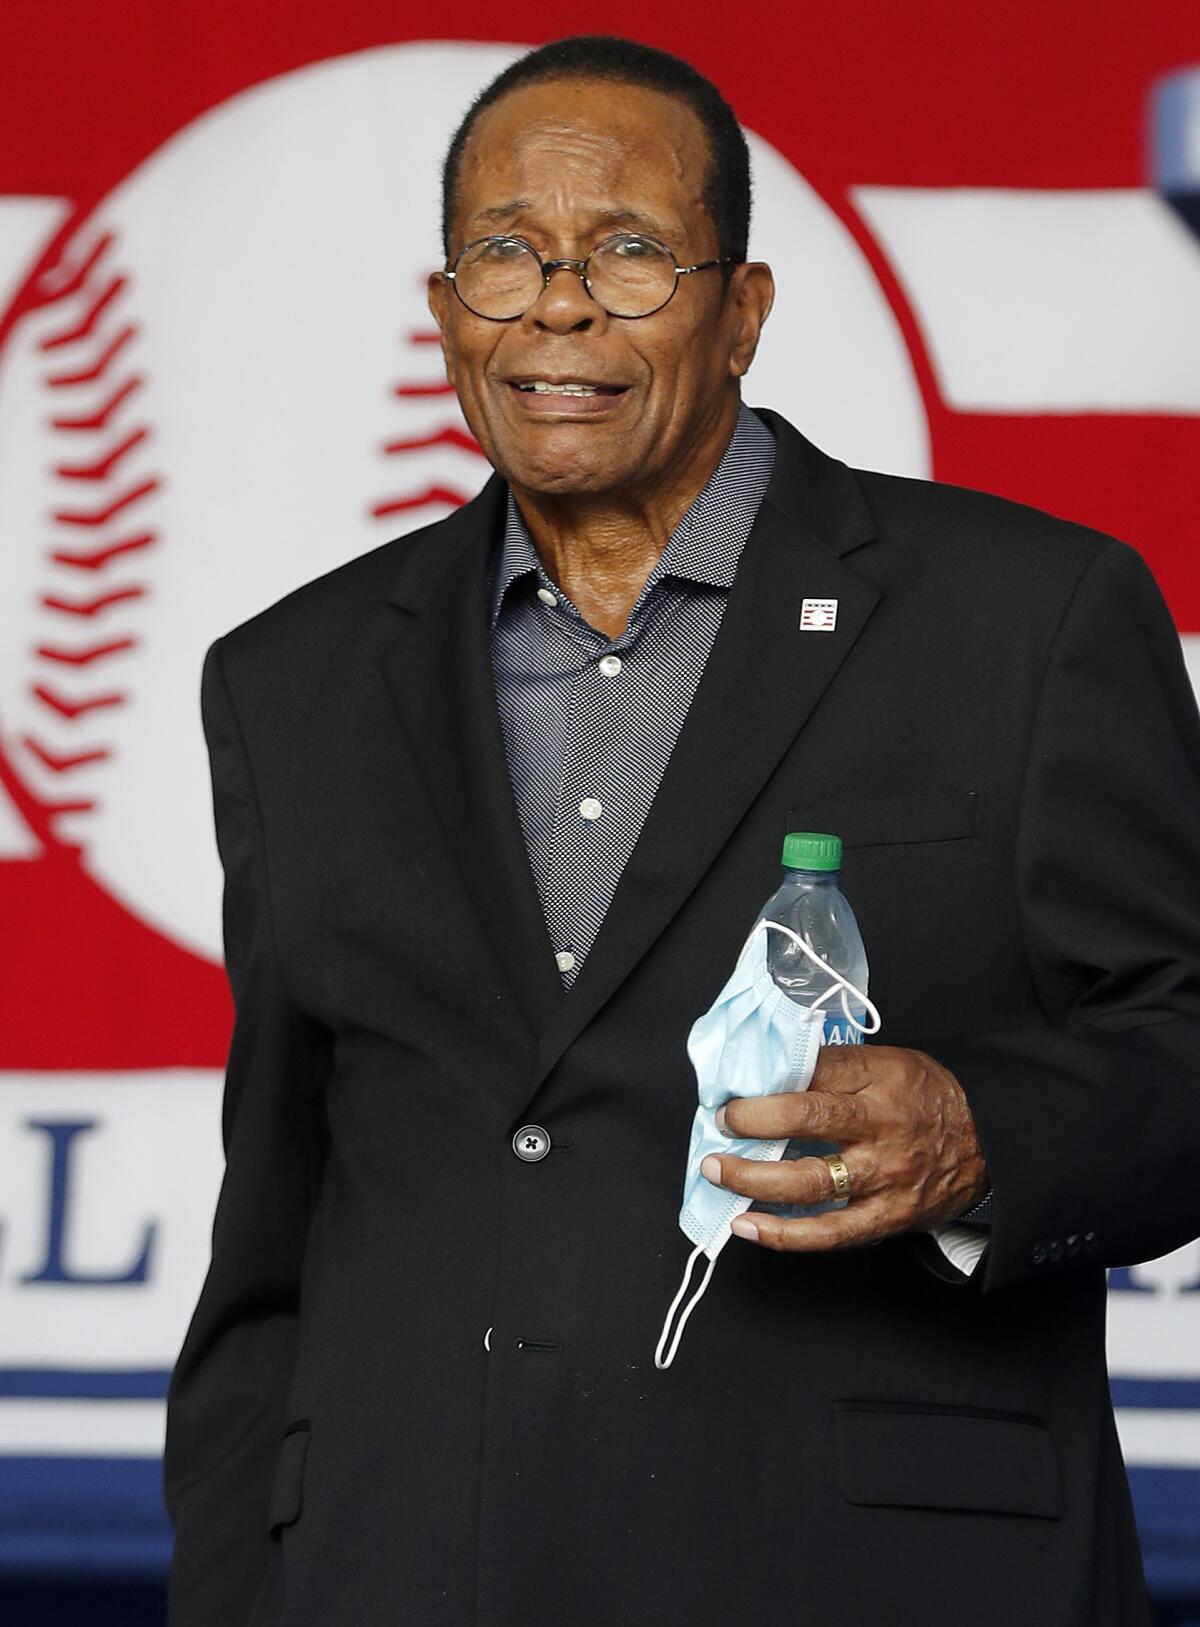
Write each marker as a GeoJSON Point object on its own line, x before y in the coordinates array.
{"type": "Point", "coordinates": [941, 816]}
{"type": "Point", "coordinates": [904, 1456]}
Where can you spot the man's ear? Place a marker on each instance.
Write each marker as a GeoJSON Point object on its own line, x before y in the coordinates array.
{"type": "Point", "coordinates": [751, 295]}
{"type": "Point", "coordinates": [438, 291]}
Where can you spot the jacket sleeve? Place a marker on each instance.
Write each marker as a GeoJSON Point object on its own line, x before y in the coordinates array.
{"type": "Point", "coordinates": [1091, 1125]}
{"type": "Point", "coordinates": [228, 1396]}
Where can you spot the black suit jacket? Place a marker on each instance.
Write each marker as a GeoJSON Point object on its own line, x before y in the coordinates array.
{"type": "Point", "coordinates": [419, 1387]}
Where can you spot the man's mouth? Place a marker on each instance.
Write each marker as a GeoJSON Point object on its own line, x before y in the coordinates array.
{"type": "Point", "coordinates": [536, 386]}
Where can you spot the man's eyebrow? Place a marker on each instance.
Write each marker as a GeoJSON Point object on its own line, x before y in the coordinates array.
{"type": "Point", "coordinates": [633, 217]}
{"type": "Point", "coordinates": [502, 211]}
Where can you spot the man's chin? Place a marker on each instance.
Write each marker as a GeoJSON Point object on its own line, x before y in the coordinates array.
{"type": "Point", "coordinates": [569, 476]}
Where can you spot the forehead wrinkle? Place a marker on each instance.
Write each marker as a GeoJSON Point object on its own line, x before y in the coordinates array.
{"type": "Point", "coordinates": [572, 143]}
{"type": "Point", "coordinates": [573, 186]}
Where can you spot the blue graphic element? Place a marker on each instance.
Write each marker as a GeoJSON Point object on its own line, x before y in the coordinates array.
{"type": "Point", "coordinates": [1175, 143]}
{"type": "Point", "coordinates": [63, 1137]}
{"type": "Point", "coordinates": [1168, 1513]}
{"type": "Point", "coordinates": [83, 1516]}
{"type": "Point", "coordinates": [1120, 1281]}
{"type": "Point", "coordinates": [1173, 1394]}
{"type": "Point", "coordinates": [65, 1383]}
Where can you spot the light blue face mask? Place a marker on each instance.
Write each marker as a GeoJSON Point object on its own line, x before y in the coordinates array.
{"type": "Point", "coordinates": [752, 1041]}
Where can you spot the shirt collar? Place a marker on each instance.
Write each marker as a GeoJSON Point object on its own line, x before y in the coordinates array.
{"type": "Point", "coordinates": [706, 544]}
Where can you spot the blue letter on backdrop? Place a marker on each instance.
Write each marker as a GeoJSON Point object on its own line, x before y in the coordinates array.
{"type": "Point", "coordinates": [62, 1138]}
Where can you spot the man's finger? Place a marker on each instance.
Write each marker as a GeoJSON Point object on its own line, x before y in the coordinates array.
{"type": "Point", "coordinates": [788, 1180]}
{"type": "Point", "coordinates": [805, 1114]}
{"type": "Point", "coordinates": [858, 1224]}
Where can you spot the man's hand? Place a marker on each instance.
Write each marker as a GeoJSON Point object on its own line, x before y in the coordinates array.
{"type": "Point", "coordinates": [906, 1134]}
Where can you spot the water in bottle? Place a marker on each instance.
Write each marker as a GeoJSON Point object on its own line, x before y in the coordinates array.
{"type": "Point", "coordinates": [812, 904]}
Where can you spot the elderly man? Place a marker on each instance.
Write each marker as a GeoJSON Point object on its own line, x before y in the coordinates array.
{"type": "Point", "coordinates": [497, 804]}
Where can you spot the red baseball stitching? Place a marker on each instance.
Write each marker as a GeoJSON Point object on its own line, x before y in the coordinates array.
{"type": "Point", "coordinates": [91, 607]}
{"type": "Point", "coordinates": [104, 466]}
{"type": "Point", "coordinates": [59, 764]}
{"type": "Point", "coordinates": [99, 418]}
{"type": "Point", "coordinates": [87, 323]}
{"type": "Point", "coordinates": [91, 348]}
{"type": "Point", "coordinates": [424, 387]}
{"type": "Point", "coordinates": [101, 516]}
{"type": "Point", "coordinates": [75, 709]}
{"type": "Point", "coordinates": [96, 558]}
{"type": "Point", "coordinates": [89, 375]}
{"type": "Point", "coordinates": [449, 435]}
{"type": "Point", "coordinates": [59, 281]}
{"type": "Point", "coordinates": [431, 494]}
{"type": "Point", "coordinates": [79, 658]}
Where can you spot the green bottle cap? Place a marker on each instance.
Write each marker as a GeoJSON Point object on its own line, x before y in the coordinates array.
{"type": "Point", "coordinates": [811, 850]}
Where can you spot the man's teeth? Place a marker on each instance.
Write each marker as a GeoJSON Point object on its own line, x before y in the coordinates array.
{"type": "Point", "coordinates": [540, 387]}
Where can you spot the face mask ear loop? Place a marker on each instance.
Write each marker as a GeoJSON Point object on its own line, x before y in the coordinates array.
{"type": "Point", "coordinates": [665, 1361]}
{"type": "Point", "coordinates": [841, 984]}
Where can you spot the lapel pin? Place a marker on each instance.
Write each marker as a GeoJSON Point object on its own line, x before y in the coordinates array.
{"type": "Point", "coordinates": [818, 616]}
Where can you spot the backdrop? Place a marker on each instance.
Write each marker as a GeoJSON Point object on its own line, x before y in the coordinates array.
{"type": "Point", "coordinates": [218, 379]}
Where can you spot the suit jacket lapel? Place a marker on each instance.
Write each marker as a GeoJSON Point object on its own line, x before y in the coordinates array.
{"type": "Point", "coordinates": [438, 671]}
{"type": "Point", "coordinates": [762, 680]}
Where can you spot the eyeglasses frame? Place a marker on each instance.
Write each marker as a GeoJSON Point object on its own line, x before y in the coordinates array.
{"type": "Point", "coordinates": [549, 267]}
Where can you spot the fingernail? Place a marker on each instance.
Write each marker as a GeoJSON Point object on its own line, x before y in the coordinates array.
{"type": "Point", "coordinates": [710, 1168]}
{"type": "Point", "coordinates": [744, 1228]}
{"type": "Point", "coordinates": [720, 1121]}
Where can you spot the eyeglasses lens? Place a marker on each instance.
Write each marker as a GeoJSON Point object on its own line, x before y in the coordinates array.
{"type": "Point", "coordinates": [498, 277]}
{"type": "Point", "coordinates": [501, 278]}
{"type": "Point", "coordinates": [631, 276]}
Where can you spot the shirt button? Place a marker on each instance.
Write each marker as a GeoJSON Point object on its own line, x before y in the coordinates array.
{"type": "Point", "coordinates": [565, 960]}
{"type": "Point", "coordinates": [531, 1142]}
{"type": "Point", "coordinates": [610, 665]}
{"type": "Point", "coordinates": [591, 808]}
{"type": "Point", "coordinates": [545, 595]}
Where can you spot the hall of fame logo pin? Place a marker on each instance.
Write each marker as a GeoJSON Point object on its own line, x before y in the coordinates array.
{"type": "Point", "coordinates": [818, 616]}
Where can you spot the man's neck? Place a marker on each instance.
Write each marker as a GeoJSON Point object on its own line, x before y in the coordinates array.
{"type": "Point", "coordinates": [600, 550]}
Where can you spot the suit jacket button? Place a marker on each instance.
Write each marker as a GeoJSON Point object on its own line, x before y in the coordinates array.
{"type": "Point", "coordinates": [531, 1142]}
{"type": "Point", "coordinates": [1039, 1254]}
{"type": "Point", "coordinates": [1090, 1242]}
{"type": "Point", "coordinates": [1074, 1243]}
{"type": "Point", "coordinates": [1056, 1249]}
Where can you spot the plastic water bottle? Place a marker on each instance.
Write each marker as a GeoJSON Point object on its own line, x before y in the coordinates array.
{"type": "Point", "coordinates": [810, 901]}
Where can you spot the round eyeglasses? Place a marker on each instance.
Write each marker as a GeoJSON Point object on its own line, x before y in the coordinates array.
{"type": "Point", "coordinates": [628, 275]}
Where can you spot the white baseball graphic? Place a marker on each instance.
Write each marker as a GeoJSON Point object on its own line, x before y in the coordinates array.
{"type": "Point", "coordinates": [230, 383]}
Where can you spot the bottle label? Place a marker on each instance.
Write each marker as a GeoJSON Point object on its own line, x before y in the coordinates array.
{"type": "Point", "coordinates": [839, 1030]}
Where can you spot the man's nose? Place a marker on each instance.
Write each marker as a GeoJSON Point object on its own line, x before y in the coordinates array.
{"type": "Point", "coordinates": [564, 304]}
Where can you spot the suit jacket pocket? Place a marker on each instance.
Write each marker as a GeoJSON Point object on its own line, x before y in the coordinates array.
{"type": "Point", "coordinates": [287, 1490]}
{"type": "Point", "coordinates": [935, 816]}
{"type": "Point", "coordinates": [909, 1456]}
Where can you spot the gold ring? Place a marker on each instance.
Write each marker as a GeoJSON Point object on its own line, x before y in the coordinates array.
{"type": "Point", "coordinates": [841, 1175]}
